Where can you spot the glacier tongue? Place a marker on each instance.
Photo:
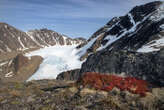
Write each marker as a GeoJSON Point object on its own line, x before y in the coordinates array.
{"type": "Point", "coordinates": [57, 59]}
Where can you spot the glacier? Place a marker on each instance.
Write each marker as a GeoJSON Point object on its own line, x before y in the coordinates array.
{"type": "Point", "coordinates": [57, 59]}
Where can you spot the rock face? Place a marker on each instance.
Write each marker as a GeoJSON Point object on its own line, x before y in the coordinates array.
{"type": "Point", "coordinates": [131, 45]}
{"type": "Point", "coordinates": [69, 75]}
{"type": "Point", "coordinates": [45, 37]}
{"type": "Point", "coordinates": [12, 39]}
{"type": "Point", "coordinates": [146, 66]}
{"type": "Point", "coordinates": [142, 30]}
{"type": "Point", "coordinates": [19, 61]}
{"type": "Point", "coordinates": [19, 68]}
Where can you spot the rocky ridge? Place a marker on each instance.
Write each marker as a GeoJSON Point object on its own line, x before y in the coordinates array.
{"type": "Point", "coordinates": [130, 45]}
{"type": "Point", "coordinates": [139, 30]}
{"type": "Point", "coordinates": [45, 37]}
{"type": "Point", "coordinates": [12, 39]}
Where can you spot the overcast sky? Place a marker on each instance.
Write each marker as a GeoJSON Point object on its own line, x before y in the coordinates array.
{"type": "Point", "coordinates": [75, 18]}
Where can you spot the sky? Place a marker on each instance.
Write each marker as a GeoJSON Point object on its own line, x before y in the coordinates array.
{"type": "Point", "coordinates": [74, 18]}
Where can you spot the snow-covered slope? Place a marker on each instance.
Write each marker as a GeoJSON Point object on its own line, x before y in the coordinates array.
{"type": "Point", "coordinates": [57, 59]}
{"type": "Point", "coordinates": [139, 30]}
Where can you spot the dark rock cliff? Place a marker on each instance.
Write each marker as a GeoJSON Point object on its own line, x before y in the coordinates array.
{"type": "Point", "coordinates": [130, 45]}
{"type": "Point", "coordinates": [146, 66]}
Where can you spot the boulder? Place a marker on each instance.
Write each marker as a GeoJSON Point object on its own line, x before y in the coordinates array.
{"type": "Point", "coordinates": [69, 75]}
{"type": "Point", "coordinates": [19, 61]}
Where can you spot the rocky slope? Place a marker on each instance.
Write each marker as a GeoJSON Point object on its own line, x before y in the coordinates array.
{"type": "Point", "coordinates": [139, 30]}
{"type": "Point", "coordinates": [130, 45]}
{"type": "Point", "coordinates": [64, 95]}
{"type": "Point", "coordinates": [45, 37]}
{"type": "Point", "coordinates": [12, 39]}
{"type": "Point", "coordinates": [19, 68]}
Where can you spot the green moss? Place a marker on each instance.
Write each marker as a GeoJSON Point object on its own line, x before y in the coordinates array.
{"type": "Point", "coordinates": [19, 86]}
{"type": "Point", "coordinates": [15, 102]}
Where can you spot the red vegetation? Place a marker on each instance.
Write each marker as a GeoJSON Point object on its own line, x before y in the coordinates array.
{"type": "Point", "coordinates": [108, 82]}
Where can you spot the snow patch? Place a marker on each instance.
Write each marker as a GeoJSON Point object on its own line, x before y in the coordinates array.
{"type": "Point", "coordinates": [21, 43]}
{"type": "Point", "coordinates": [84, 49]}
{"type": "Point", "coordinates": [57, 59]}
{"type": "Point", "coordinates": [131, 19]}
{"type": "Point", "coordinates": [10, 74]}
{"type": "Point", "coordinates": [64, 39]}
{"type": "Point", "coordinates": [162, 26]}
{"type": "Point", "coordinates": [150, 47]}
{"type": "Point", "coordinates": [110, 39]}
{"type": "Point", "coordinates": [8, 49]}
{"type": "Point", "coordinates": [6, 26]}
{"type": "Point", "coordinates": [1, 64]}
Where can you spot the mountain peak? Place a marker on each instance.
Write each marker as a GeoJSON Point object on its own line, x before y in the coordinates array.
{"type": "Point", "coordinates": [12, 39]}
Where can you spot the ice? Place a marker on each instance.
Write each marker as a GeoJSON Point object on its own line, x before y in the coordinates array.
{"type": "Point", "coordinates": [57, 59]}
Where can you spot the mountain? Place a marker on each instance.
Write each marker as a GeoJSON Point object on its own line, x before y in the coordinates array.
{"type": "Point", "coordinates": [130, 45]}
{"type": "Point", "coordinates": [142, 30]}
{"type": "Point", "coordinates": [14, 43]}
{"type": "Point", "coordinates": [45, 37]}
{"type": "Point", "coordinates": [12, 39]}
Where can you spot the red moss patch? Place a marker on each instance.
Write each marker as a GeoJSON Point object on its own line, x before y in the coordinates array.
{"type": "Point", "coordinates": [108, 82]}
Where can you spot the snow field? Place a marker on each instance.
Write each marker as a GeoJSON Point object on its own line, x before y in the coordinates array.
{"type": "Point", "coordinates": [57, 59]}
